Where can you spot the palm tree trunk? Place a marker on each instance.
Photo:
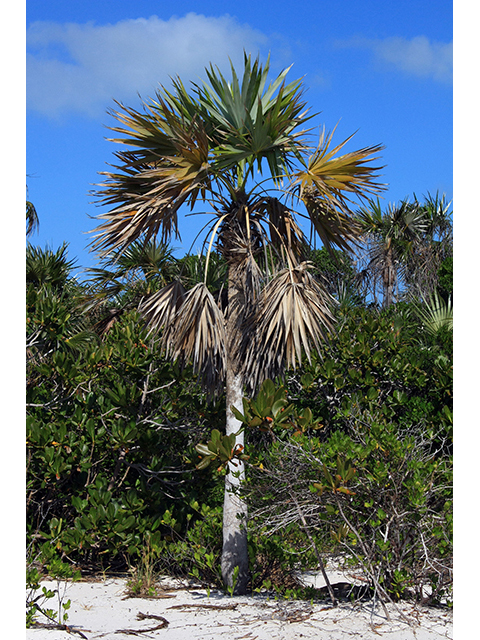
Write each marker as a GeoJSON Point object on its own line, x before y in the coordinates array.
{"type": "Point", "coordinates": [389, 278]}
{"type": "Point", "coordinates": [235, 551]}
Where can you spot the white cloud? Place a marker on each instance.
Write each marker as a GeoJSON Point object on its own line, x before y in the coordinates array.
{"type": "Point", "coordinates": [83, 67]}
{"type": "Point", "coordinates": [419, 56]}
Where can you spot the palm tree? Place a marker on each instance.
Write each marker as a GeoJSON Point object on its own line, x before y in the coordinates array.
{"type": "Point", "coordinates": [209, 145]}
{"type": "Point", "coordinates": [391, 238]}
{"type": "Point", "coordinates": [433, 246]}
{"type": "Point", "coordinates": [32, 218]}
{"type": "Point", "coordinates": [54, 319]}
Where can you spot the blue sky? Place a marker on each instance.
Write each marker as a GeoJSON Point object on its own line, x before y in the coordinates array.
{"type": "Point", "coordinates": [381, 69]}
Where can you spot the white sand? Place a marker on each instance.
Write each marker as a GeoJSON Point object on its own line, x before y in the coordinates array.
{"type": "Point", "coordinates": [101, 610]}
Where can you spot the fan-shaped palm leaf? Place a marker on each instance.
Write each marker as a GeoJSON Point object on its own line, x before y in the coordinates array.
{"type": "Point", "coordinates": [293, 314]}
{"type": "Point", "coordinates": [325, 185]}
{"type": "Point", "coordinates": [254, 123]}
{"type": "Point", "coordinates": [197, 335]}
{"type": "Point", "coordinates": [436, 314]}
{"type": "Point", "coordinates": [171, 170]}
{"type": "Point", "coordinates": [160, 308]}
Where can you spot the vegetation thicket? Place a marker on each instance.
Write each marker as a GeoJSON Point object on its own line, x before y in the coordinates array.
{"type": "Point", "coordinates": [333, 366]}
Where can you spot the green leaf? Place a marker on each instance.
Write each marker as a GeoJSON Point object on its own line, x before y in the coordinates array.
{"type": "Point", "coordinates": [215, 436]}
{"type": "Point", "coordinates": [204, 463]}
{"type": "Point", "coordinates": [204, 450]}
{"type": "Point", "coordinates": [400, 396]}
{"type": "Point", "coordinates": [372, 394]}
{"type": "Point", "coordinates": [278, 405]}
{"type": "Point", "coordinates": [238, 415]}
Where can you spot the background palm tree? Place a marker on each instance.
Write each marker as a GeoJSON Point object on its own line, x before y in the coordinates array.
{"type": "Point", "coordinates": [32, 218]}
{"type": "Point", "coordinates": [390, 238]}
{"type": "Point", "coordinates": [434, 245]}
{"type": "Point", "coordinates": [53, 297]}
{"type": "Point", "coordinates": [406, 245]}
{"type": "Point", "coordinates": [210, 145]}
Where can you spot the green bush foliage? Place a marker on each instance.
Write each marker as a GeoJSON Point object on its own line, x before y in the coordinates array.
{"type": "Point", "coordinates": [379, 497]}
{"type": "Point", "coordinates": [120, 446]}
{"type": "Point", "coordinates": [111, 429]}
{"type": "Point", "coordinates": [378, 361]}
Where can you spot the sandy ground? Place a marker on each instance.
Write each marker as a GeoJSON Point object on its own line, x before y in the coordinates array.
{"type": "Point", "coordinates": [102, 610]}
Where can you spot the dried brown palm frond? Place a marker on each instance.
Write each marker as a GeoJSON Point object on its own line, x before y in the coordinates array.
{"type": "Point", "coordinates": [294, 313]}
{"type": "Point", "coordinates": [252, 278]}
{"type": "Point", "coordinates": [160, 309]}
{"type": "Point", "coordinates": [197, 335]}
{"type": "Point", "coordinates": [245, 286]}
{"type": "Point", "coordinates": [285, 234]}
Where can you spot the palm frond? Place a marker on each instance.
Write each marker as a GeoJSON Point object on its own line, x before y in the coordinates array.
{"type": "Point", "coordinates": [194, 269]}
{"type": "Point", "coordinates": [325, 185]}
{"type": "Point", "coordinates": [161, 308]}
{"type": "Point", "coordinates": [436, 314]}
{"type": "Point", "coordinates": [285, 234]}
{"type": "Point", "coordinates": [154, 181]}
{"type": "Point", "coordinates": [333, 176]}
{"type": "Point", "coordinates": [293, 315]}
{"type": "Point", "coordinates": [33, 223]}
{"type": "Point", "coordinates": [47, 267]}
{"type": "Point", "coordinates": [197, 335]}
{"type": "Point", "coordinates": [254, 123]}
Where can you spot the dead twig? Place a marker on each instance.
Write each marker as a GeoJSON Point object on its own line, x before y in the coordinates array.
{"type": "Point", "coordinates": [57, 626]}
{"type": "Point", "coordinates": [218, 607]}
{"type": "Point", "coordinates": [319, 557]}
{"type": "Point", "coordinates": [146, 616]}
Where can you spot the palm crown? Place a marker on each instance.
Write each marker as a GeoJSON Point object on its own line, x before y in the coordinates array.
{"type": "Point", "coordinates": [208, 145]}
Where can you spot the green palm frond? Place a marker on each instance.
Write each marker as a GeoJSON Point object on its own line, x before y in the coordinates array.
{"type": "Point", "coordinates": [436, 314]}
{"type": "Point", "coordinates": [254, 122]}
{"type": "Point", "coordinates": [47, 267]}
{"type": "Point", "coordinates": [438, 217]}
{"type": "Point", "coordinates": [404, 221]}
{"type": "Point", "coordinates": [326, 184]}
{"type": "Point", "coordinates": [194, 269]}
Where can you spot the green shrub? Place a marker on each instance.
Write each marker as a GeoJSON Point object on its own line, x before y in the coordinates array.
{"type": "Point", "coordinates": [110, 439]}
{"type": "Point", "coordinates": [382, 500]}
{"type": "Point", "coordinates": [376, 362]}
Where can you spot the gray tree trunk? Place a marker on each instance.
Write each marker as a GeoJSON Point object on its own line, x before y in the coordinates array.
{"type": "Point", "coordinates": [389, 278]}
{"type": "Point", "coordinates": [235, 551]}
